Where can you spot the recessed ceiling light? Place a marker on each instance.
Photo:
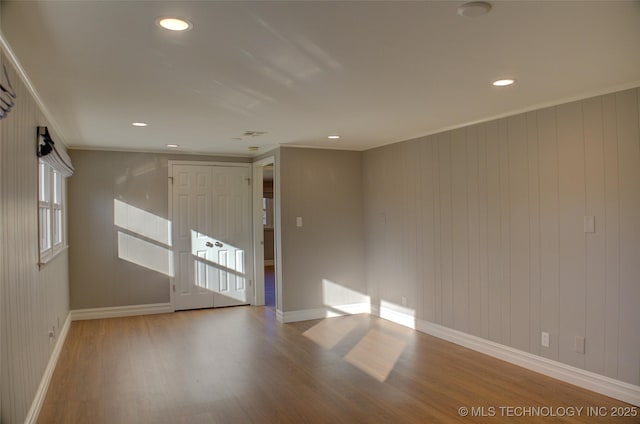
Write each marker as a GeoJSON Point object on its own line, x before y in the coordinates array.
{"type": "Point", "coordinates": [173, 146]}
{"type": "Point", "coordinates": [174, 24]}
{"type": "Point", "coordinates": [474, 8]}
{"type": "Point", "coordinates": [503, 82]}
{"type": "Point", "coordinates": [334, 137]}
{"type": "Point", "coordinates": [139, 124]}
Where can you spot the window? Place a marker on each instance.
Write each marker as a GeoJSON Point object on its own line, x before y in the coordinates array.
{"type": "Point", "coordinates": [267, 212]}
{"type": "Point", "coordinates": [51, 212]}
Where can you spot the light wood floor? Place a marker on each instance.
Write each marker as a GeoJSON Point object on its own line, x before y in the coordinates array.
{"type": "Point", "coordinates": [238, 365]}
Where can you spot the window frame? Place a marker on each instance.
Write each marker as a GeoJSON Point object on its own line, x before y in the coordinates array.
{"type": "Point", "coordinates": [52, 232]}
{"type": "Point", "coordinates": [267, 212]}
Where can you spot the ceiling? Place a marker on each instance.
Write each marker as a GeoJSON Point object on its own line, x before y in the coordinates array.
{"type": "Point", "coordinates": [373, 72]}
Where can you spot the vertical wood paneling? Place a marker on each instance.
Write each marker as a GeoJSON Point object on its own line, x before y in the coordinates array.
{"type": "Point", "coordinates": [391, 279]}
{"type": "Point", "coordinates": [459, 230]}
{"type": "Point", "coordinates": [426, 229]}
{"type": "Point", "coordinates": [501, 250]}
{"type": "Point", "coordinates": [505, 219]}
{"type": "Point", "coordinates": [534, 233]}
{"type": "Point", "coordinates": [519, 254]}
{"type": "Point", "coordinates": [549, 228]}
{"type": "Point", "coordinates": [612, 235]}
{"type": "Point", "coordinates": [483, 231]}
{"type": "Point", "coordinates": [397, 227]}
{"type": "Point", "coordinates": [473, 216]}
{"type": "Point", "coordinates": [446, 231]}
{"type": "Point", "coordinates": [421, 279]}
{"type": "Point", "coordinates": [412, 292]}
{"type": "Point", "coordinates": [595, 242]}
{"type": "Point", "coordinates": [629, 178]}
{"type": "Point", "coordinates": [437, 228]}
{"type": "Point", "coordinates": [32, 301]}
{"type": "Point", "coordinates": [493, 232]}
{"type": "Point", "coordinates": [373, 222]}
{"type": "Point", "coordinates": [571, 188]}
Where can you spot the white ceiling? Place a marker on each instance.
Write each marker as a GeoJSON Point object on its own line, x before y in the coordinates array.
{"type": "Point", "coordinates": [373, 72]}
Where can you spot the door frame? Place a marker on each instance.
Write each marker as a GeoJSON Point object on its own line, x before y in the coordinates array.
{"type": "Point", "coordinates": [171, 163]}
{"type": "Point", "coordinates": [258, 231]}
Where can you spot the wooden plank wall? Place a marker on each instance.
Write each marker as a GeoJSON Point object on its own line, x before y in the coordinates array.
{"type": "Point", "coordinates": [32, 301]}
{"type": "Point", "coordinates": [493, 214]}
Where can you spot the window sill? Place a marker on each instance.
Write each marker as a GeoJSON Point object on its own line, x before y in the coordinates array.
{"type": "Point", "coordinates": [50, 258]}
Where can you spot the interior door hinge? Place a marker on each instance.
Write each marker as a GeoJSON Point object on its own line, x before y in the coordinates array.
{"type": "Point", "coordinates": [248, 181]}
{"type": "Point", "coordinates": [171, 178]}
{"type": "Point", "coordinates": [174, 288]}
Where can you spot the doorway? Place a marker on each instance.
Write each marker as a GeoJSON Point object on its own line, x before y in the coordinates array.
{"type": "Point", "coordinates": [266, 224]}
{"type": "Point", "coordinates": [269, 246]}
{"type": "Point", "coordinates": [211, 215]}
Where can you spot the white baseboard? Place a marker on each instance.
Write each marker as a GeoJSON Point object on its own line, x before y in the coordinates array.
{"type": "Point", "coordinates": [395, 313]}
{"type": "Point", "coordinates": [41, 394]}
{"type": "Point", "coordinates": [325, 312]}
{"type": "Point", "coordinates": [585, 379]}
{"type": "Point", "coordinates": [121, 311]}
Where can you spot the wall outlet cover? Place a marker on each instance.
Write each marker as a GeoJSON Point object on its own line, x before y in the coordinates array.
{"type": "Point", "coordinates": [544, 339]}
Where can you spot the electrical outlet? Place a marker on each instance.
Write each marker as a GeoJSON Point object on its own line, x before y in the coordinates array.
{"type": "Point", "coordinates": [544, 339]}
{"type": "Point", "coordinates": [579, 344]}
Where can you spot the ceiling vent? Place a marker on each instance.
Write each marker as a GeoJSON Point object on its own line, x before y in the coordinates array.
{"type": "Point", "coordinates": [253, 133]}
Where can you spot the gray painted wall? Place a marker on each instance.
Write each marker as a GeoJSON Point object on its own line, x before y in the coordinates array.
{"type": "Point", "coordinates": [32, 300]}
{"type": "Point", "coordinates": [481, 228]}
{"type": "Point", "coordinates": [98, 277]}
{"type": "Point", "coordinates": [324, 187]}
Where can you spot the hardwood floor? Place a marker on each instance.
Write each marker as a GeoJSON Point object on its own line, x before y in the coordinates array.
{"type": "Point", "coordinates": [238, 365]}
{"type": "Point", "coordinates": [270, 286]}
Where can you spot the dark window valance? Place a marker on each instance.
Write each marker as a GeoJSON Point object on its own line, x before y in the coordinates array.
{"type": "Point", "coordinates": [7, 94]}
{"type": "Point", "coordinates": [57, 158]}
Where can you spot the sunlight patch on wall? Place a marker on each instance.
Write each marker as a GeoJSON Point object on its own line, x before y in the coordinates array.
{"type": "Point", "coordinates": [145, 239]}
{"type": "Point", "coordinates": [344, 299]}
{"type": "Point", "coordinates": [398, 314]}
{"type": "Point", "coordinates": [141, 222]}
{"type": "Point", "coordinates": [145, 254]}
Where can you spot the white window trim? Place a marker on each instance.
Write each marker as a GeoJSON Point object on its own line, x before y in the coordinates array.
{"type": "Point", "coordinates": [48, 253]}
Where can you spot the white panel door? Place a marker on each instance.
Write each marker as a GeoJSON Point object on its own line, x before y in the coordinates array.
{"type": "Point", "coordinates": [212, 222]}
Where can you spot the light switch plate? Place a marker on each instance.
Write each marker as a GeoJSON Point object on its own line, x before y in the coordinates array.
{"type": "Point", "coordinates": [589, 224]}
{"type": "Point", "coordinates": [298, 221]}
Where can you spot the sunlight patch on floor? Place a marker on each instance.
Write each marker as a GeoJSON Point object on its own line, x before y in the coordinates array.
{"type": "Point", "coordinates": [327, 334]}
{"type": "Point", "coordinates": [376, 353]}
